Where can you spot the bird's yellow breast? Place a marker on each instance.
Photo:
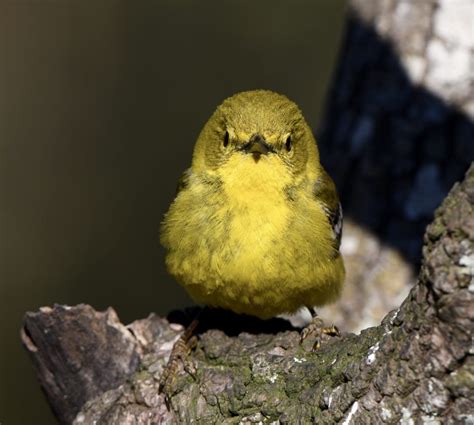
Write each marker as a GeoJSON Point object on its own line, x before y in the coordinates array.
{"type": "Point", "coordinates": [246, 247]}
{"type": "Point", "coordinates": [260, 212]}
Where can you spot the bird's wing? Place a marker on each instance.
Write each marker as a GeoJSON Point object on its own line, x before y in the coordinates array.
{"type": "Point", "coordinates": [325, 192]}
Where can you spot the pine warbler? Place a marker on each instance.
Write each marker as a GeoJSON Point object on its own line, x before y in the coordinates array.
{"type": "Point", "coordinates": [256, 224]}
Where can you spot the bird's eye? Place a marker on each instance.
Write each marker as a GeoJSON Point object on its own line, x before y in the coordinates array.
{"type": "Point", "coordinates": [226, 139]}
{"type": "Point", "coordinates": [288, 144]}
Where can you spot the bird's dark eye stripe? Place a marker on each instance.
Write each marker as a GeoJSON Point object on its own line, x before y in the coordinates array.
{"type": "Point", "coordinates": [288, 144]}
{"type": "Point", "coordinates": [226, 139]}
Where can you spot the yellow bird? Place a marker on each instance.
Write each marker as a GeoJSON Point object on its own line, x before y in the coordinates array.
{"type": "Point", "coordinates": [256, 224]}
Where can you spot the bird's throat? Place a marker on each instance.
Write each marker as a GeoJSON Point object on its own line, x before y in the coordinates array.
{"type": "Point", "coordinates": [257, 206]}
{"type": "Point", "coordinates": [246, 181]}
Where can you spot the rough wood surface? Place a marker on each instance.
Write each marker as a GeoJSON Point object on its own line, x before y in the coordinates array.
{"type": "Point", "coordinates": [418, 365]}
{"type": "Point", "coordinates": [79, 353]}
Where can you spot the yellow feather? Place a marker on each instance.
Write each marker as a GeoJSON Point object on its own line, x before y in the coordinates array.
{"type": "Point", "coordinates": [235, 237]}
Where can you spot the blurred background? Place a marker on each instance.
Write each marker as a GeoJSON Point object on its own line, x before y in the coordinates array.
{"type": "Point", "coordinates": [100, 105]}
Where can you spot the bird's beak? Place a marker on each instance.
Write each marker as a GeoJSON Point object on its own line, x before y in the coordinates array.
{"type": "Point", "coordinates": [257, 146]}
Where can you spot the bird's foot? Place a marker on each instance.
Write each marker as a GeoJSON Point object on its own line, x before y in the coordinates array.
{"type": "Point", "coordinates": [179, 357]}
{"type": "Point", "coordinates": [318, 331]}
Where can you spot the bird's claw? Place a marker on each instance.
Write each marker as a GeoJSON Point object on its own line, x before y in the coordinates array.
{"type": "Point", "coordinates": [317, 329]}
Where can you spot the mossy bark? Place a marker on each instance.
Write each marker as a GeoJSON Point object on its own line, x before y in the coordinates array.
{"type": "Point", "coordinates": [417, 365]}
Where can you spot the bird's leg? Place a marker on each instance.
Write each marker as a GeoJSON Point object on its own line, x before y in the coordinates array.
{"type": "Point", "coordinates": [179, 356]}
{"type": "Point", "coordinates": [317, 329]}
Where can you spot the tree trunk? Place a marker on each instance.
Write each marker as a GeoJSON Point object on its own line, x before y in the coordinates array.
{"type": "Point", "coordinates": [398, 133]}
{"type": "Point", "coordinates": [418, 365]}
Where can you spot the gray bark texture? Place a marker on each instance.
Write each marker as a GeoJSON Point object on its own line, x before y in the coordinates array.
{"type": "Point", "coordinates": [416, 366]}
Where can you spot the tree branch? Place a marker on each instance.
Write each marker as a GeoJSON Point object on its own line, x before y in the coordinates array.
{"type": "Point", "coordinates": [418, 364]}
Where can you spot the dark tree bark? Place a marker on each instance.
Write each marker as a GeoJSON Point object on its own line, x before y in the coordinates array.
{"type": "Point", "coordinates": [418, 365]}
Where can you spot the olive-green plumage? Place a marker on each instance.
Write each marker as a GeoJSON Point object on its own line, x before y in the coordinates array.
{"type": "Point", "coordinates": [256, 224]}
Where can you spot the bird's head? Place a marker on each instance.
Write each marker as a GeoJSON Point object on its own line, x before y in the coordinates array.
{"type": "Point", "coordinates": [259, 127]}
